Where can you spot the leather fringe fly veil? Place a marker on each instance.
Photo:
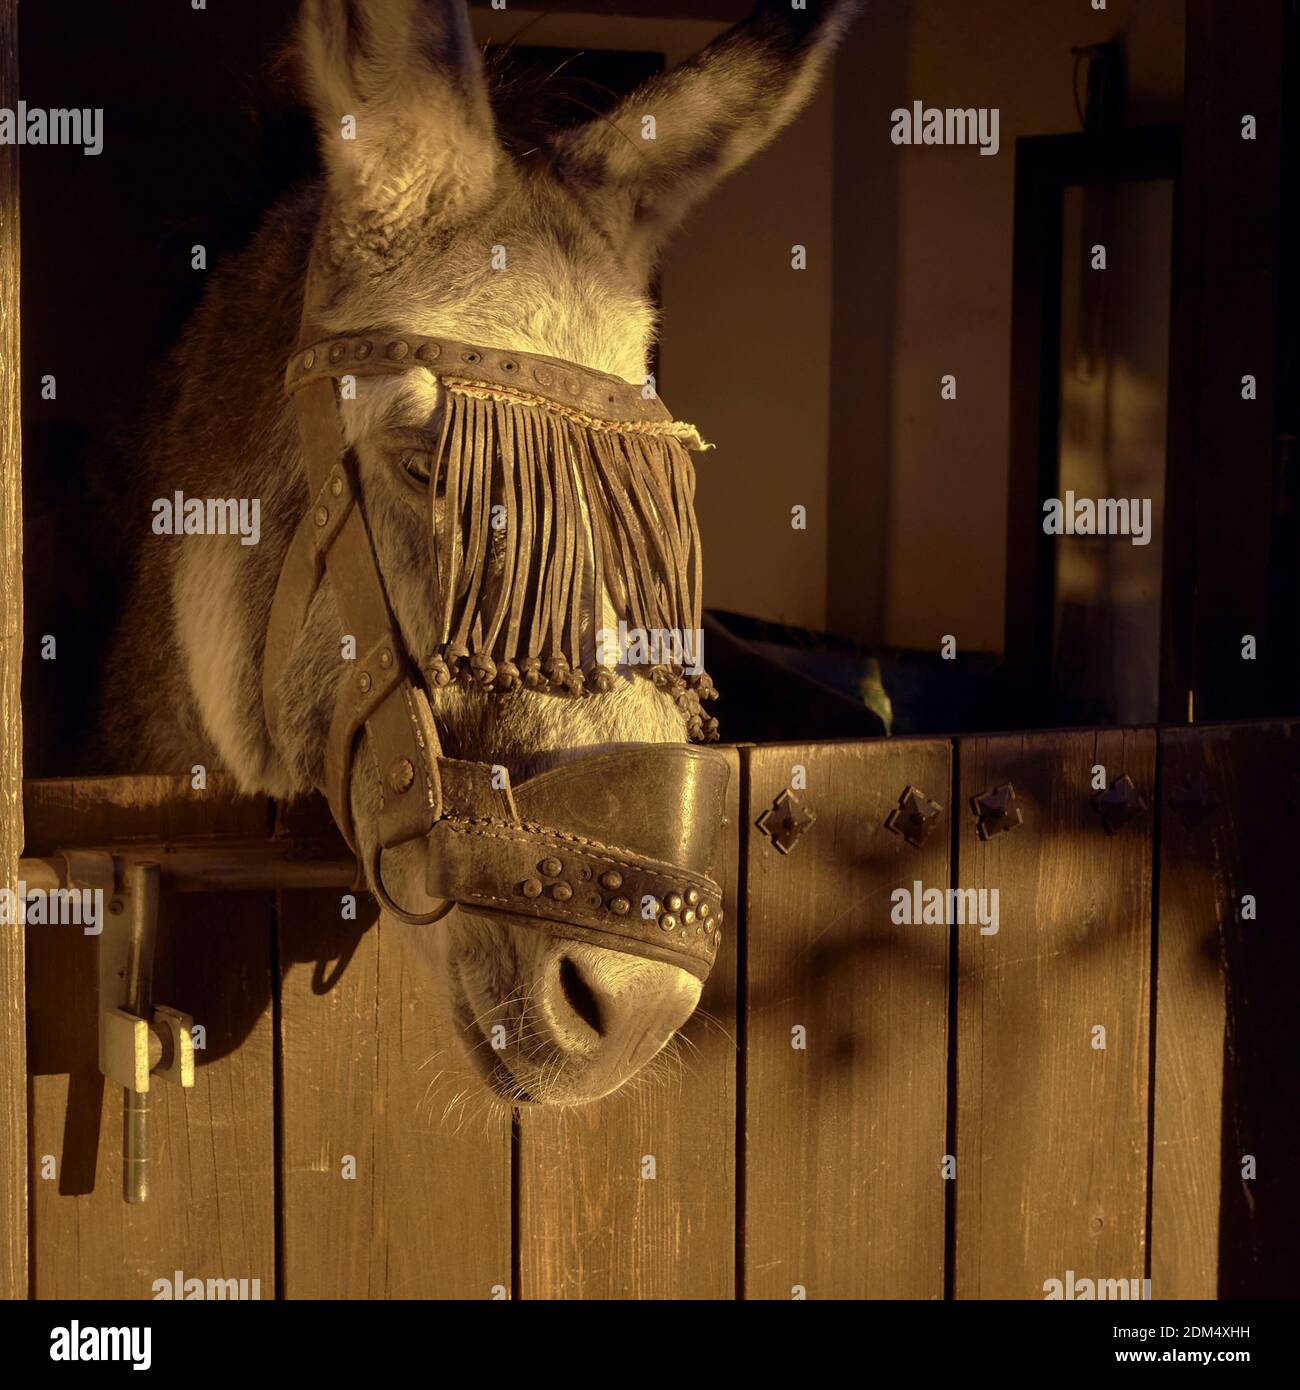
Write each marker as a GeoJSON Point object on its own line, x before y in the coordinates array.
{"type": "Point", "coordinates": [543, 499]}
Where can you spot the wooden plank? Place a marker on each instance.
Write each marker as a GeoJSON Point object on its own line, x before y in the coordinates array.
{"type": "Point", "coordinates": [13, 1079]}
{"type": "Point", "coordinates": [211, 1210]}
{"type": "Point", "coordinates": [1221, 481]}
{"type": "Point", "coordinates": [1052, 1131]}
{"type": "Point", "coordinates": [844, 1141]}
{"type": "Point", "coordinates": [1190, 1019]}
{"type": "Point", "coordinates": [1227, 1015]}
{"type": "Point", "coordinates": [590, 1225]}
{"type": "Point", "coordinates": [363, 1030]}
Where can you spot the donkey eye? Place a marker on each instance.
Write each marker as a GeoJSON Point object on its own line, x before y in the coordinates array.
{"type": "Point", "coordinates": [416, 466]}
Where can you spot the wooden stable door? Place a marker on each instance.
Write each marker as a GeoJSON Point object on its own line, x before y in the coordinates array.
{"type": "Point", "coordinates": [883, 1095]}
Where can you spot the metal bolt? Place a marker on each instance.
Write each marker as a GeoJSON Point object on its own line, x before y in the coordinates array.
{"type": "Point", "coordinates": [705, 909]}
{"type": "Point", "coordinates": [688, 916]}
{"type": "Point", "coordinates": [385, 659]}
{"type": "Point", "coordinates": [532, 888]}
{"type": "Point", "coordinates": [363, 680]}
{"type": "Point", "coordinates": [551, 867]}
{"type": "Point", "coordinates": [561, 892]}
{"type": "Point", "coordinates": [322, 516]}
{"type": "Point", "coordinates": [402, 775]}
{"type": "Point", "coordinates": [611, 879]}
{"type": "Point", "coordinates": [620, 906]}
{"type": "Point", "coordinates": [668, 922]}
{"type": "Point", "coordinates": [692, 896]}
{"type": "Point", "coordinates": [336, 485]}
{"type": "Point", "coordinates": [673, 902]}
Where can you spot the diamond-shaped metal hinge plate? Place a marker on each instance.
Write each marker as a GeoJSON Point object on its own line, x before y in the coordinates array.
{"type": "Point", "coordinates": [1119, 804]}
{"type": "Point", "coordinates": [786, 820]}
{"type": "Point", "coordinates": [914, 817]}
{"type": "Point", "coordinates": [1195, 800]}
{"type": "Point", "coordinates": [996, 812]}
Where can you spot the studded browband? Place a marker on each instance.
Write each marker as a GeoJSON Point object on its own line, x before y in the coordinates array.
{"type": "Point", "coordinates": [593, 395]}
{"type": "Point", "coordinates": [616, 848]}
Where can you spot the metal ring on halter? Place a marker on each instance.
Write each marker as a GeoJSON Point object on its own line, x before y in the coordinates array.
{"type": "Point", "coordinates": [412, 919]}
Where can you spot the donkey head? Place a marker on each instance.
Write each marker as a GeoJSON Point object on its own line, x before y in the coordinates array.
{"type": "Point", "coordinates": [429, 226]}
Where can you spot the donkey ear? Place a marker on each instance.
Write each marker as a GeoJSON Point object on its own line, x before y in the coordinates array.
{"type": "Point", "coordinates": [668, 144]}
{"type": "Point", "coordinates": [405, 123]}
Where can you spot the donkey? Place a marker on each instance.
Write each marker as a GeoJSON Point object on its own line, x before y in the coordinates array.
{"type": "Point", "coordinates": [418, 190]}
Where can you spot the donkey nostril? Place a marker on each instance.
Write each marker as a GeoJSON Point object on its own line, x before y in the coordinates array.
{"type": "Point", "coordinates": [579, 996]}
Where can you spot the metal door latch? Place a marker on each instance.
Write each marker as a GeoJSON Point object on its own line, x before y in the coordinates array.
{"type": "Point", "coordinates": [138, 1039]}
{"type": "Point", "coordinates": [141, 1041]}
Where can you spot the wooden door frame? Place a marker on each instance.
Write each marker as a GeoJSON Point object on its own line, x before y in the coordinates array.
{"type": "Point", "coordinates": [1226, 548]}
{"type": "Point", "coordinates": [13, 1033]}
{"type": "Point", "coordinates": [1046, 165]}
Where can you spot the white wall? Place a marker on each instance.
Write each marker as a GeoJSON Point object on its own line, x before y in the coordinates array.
{"type": "Point", "coordinates": [907, 522]}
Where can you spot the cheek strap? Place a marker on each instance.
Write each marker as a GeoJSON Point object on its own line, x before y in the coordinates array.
{"type": "Point", "coordinates": [377, 691]}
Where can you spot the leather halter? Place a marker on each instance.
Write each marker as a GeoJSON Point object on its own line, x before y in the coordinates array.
{"type": "Point", "coordinates": [619, 848]}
